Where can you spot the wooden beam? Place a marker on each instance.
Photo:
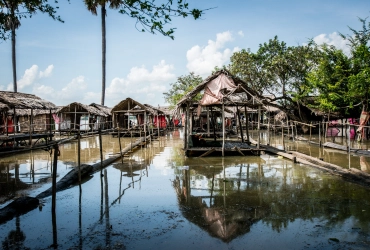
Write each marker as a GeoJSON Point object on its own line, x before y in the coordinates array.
{"type": "Point", "coordinates": [238, 149]}
{"type": "Point", "coordinates": [208, 152]}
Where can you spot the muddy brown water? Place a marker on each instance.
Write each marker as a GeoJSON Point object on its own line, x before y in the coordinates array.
{"type": "Point", "coordinates": [159, 199]}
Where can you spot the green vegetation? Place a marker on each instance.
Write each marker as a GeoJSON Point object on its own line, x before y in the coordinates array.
{"type": "Point", "coordinates": [182, 86]}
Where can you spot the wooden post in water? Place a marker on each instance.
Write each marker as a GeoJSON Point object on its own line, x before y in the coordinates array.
{"type": "Point", "coordinates": [309, 141]}
{"type": "Point", "coordinates": [144, 127]}
{"type": "Point", "coordinates": [246, 122]}
{"type": "Point", "coordinates": [120, 146]}
{"type": "Point", "coordinates": [186, 127]}
{"type": "Point", "coordinates": [101, 151]}
{"type": "Point", "coordinates": [31, 128]}
{"type": "Point", "coordinates": [79, 155]}
{"type": "Point", "coordinates": [54, 176]}
{"type": "Point", "coordinates": [54, 195]}
{"type": "Point", "coordinates": [74, 124]}
{"type": "Point", "coordinates": [240, 124]}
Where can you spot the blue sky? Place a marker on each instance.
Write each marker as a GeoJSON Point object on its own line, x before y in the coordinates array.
{"type": "Point", "coordinates": [61, 62]}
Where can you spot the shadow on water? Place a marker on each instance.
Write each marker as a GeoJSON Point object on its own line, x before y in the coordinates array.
{"type": "Point", "coordinates": [158, 199]}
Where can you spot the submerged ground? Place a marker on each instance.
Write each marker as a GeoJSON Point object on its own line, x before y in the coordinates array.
{"type": "Point", "coordinates": [158, 199]}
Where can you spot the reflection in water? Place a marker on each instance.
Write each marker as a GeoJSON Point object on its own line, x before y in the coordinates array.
{"type": "Point", "coordinates": [15, 238]}
{"type": "Point", "coordinates": [271, 191]}
{"type": "Point", "coordinates": [235, 199]}
{"type": "Point", "coordinates": [219, 209]}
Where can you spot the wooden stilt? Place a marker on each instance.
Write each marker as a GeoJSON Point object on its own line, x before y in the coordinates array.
{"type": "Point", "coordinates": [246, 122]}
{"type": "Point", "coordinates": [223, 129]}
{"type": "Point", "coordinates": [208, 122]}
{"type": "Point", "coordinates": [240, 152]}
{"type": "Point", "coordinates": [259, 126]}
{"type": "Point", "coordinates": [240, 125]}
{"type": "Point", "coordinates": [79, 155]}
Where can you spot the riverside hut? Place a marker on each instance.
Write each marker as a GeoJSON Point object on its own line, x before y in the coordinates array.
{"type": "Point", "coordinates": [221, 90]}
{"type": "Point", "coordinates": [106, 121]}
{"type": "Point", "coordinates": [77, 116]}
{"type": "Point", "coordinates": [10, 102]}
{"type": "Point", "coordinates": [131, 118]}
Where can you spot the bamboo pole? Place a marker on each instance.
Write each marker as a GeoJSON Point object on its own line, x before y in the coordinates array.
{"type": "Point", "coordinates": [101, 151]}
{"type": "Point", "coordinates": [223, 129]}
{"type": "Point", "coordinates": [268, 129]}
{"type": "Point", "coordinates": [186, 126]}
{"type": "Point", "coordinates": [214, 124]}
{"type": "Point", "coordinates": [282, 135]}
{"type": "Point", "coordinates": [79, 155]}
{"type": "Point", "coordinates": [240, 125]}
{"type": "Point", "coordinates": [145, 126]}
{"type": "Point", "coordinates": [319, 134]}
{"type": "Point", "coordinates": [31, 128]}
{"type": "Point", "coordinates": [259, 126]}
{"type": "Point", "coordinates": [74, 124]}
{"type": "Point", "coordinates": [208, 122]}
{"type": "Point", "coordinates": [54, 177]}
{"type": "Point", "coordinates": [246, 122]}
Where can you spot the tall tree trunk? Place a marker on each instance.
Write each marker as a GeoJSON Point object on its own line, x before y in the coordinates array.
{"type": "Point", "coordinates": [14, 64]}
{"type": "Point", "coordinates": [103, 14]}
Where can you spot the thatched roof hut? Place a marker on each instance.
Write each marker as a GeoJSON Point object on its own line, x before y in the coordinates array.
{"type": "Point", "coordinates": [77, 107]}
{"type": "Point", "coordinates": [18, 100]}
{"type": "Point", "coordinates": [105, 109]}
{"type": "Point", "coordinates": [229, 88]}
{"type": "Point", "coordinates": [130, 105]}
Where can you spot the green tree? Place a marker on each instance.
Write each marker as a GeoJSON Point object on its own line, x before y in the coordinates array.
{"type": "Point", "coordinates": [359, 80]}
{"type": "Point", "coordinates": [11, 12]}
{"type": "Point", "coordinates": [279, 72]}
{"type": "Point", "coordinates": [330, 79]}
{"type": "Point", "coordinates": [152, 17]}
{"type": "Point", "coordinates": [181, 87]}
{"type": "Point", "coordinates": [342, 82]}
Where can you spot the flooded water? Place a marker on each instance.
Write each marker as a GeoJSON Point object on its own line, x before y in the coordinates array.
{"type": "Point", "coordinates": [159, 199]}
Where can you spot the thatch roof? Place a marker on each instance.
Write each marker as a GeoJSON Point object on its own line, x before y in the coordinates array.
{"type": "Point", "coordinates": [130, 105]}
{"type": "Point", "coordinates": [81, 108]}
{"type": "Point", "coordinates": [103, 108]}
{"type": "Point", "coordinates": [154, 110]}
{"type": "Point", "coordinates": [166, 110]}
{"type": "Point", "coordinates": [243, 94]}
{"type": "Point", "coordinates": [23, 101]}
{"type": "Point", "coordinates": [3, 107]}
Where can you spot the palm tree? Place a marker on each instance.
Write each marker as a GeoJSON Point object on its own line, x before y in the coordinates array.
{"type": "Point", "coordinates": [12, 23]}
{"type": "Point", "coordinates": [92, 6]}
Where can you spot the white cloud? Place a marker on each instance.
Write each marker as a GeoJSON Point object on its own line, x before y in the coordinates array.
{"type": "Point", "coordinates": [240, 33]}
{"type": "Point", "coordinates": [202, 60]}
{"type": "Point", "coordinates": [333, 39]}
{"type": "Point", "coordinates": [29, 77]}
{"type": "Point", "coordinates": [74, 91]}
{"type": "Point", "coordinates": [141, 84]}
{"type": "Point", "coordinates": [47, 72]}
